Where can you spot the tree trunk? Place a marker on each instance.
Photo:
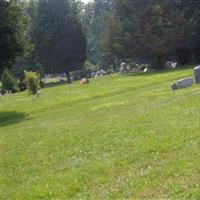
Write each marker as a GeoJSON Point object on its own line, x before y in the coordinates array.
{"type": "Point", "coordinates": [118, 63]}
{"type": "Point", "coordinates": [196, 51]}
{"type": "Point", "coordinates": [114, 66]}
{"type": "Point", "coordinates": [159, 63]}
{"type": "Point", "coordinates": [68, 77]}
{"type": "Point", "coordinates": [184, 56]}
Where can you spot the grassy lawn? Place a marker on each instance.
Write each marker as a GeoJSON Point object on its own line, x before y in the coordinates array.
{"type": "Point", "coordinates": [120, 137]}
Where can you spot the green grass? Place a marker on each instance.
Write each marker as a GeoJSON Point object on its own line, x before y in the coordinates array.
{"type": "Point", "coordinates": [120, 137]}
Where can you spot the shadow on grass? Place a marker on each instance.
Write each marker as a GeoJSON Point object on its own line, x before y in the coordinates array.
{"type": "Point", "coordinates": [51, 84]}
{"type": "Point", "coordinates": [12, 117]}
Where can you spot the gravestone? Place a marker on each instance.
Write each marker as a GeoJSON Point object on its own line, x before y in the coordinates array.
{"type": "Point", "coordinates": [37, 94]}
{"type": "Point", "coordinates": [197, 74]}
{"type": "Point", "coordinates": [123, 68]}
{"type": "Point", "coordinates": [174, 86]}
{"type": "Point", "coordinates": [183, 83]}
{"type": "Point", "coordinates": [146, 70]}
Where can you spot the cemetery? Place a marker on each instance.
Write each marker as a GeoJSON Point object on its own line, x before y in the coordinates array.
{"type": "Point", "coordinates": [119, 136]}
{"type": "Point", "coordinates": [187, 82]}
{"type": "Point", "coordinates": [99, 100]}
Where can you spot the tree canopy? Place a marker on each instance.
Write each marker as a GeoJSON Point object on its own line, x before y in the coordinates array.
{"type": "Point", "coordinates": [63, 34]}
{"type": "Point", "coordinates": [153, 31]}
{"type": "Point", "coordinates": [12, 33]}
{"type": "Point", "coordinates": [60, 41]}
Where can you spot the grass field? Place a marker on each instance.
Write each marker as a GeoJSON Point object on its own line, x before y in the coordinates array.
{"type": "Point", "coordinates": [120, 137]}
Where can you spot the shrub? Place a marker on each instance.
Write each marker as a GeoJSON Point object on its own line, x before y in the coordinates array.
{"type": "Point", "coordinates": [78, 74]}
{"type": "Point", "coordinates": [84, 72]}
{"type": "Point", "coordinates": [23, 86]}
{"type": "Point", "coordinates": [110, 71]}
{"type": "Point", "coordinates": [9, 83]}
{"type": "Point", "coordinates": [42, 84]}
{"type": "Point", "coordinates": [32, 81]}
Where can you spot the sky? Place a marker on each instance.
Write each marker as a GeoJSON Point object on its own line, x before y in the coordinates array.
{"type": "Point", "coordinates": [85, 1]}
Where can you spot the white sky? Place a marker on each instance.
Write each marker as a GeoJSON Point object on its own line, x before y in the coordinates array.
{"type": "Point", "coordinates": [85, 1]}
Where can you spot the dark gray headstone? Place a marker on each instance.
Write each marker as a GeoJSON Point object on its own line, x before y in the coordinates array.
{"type": "Point", "coordinates": [183, 83]}
{"type": "Point", "coordinates": [186, 82]}
{"type": "Point", "coordinates": [174, 86]}
{"type": "Point", "coordinates": [197, 74]}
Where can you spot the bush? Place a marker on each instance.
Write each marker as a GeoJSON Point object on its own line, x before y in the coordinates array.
{"type": "Point", "coordinates": [42, 84]}
{"type": "Point", "coordinates": [9, 83]}
{"type": "Point", "coordinates": [110, 71]}
{"type": "Point", "coordinates": [22, 85]}
{"type": "Point", "coordinates": [32, 81]}
{"type": "Point", "coordinates": [85, 72]}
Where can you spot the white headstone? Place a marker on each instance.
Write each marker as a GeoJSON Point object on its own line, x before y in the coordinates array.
{"type": "Point", "coordinates": [197, 74]}
{"type": "Point", "coordinates": [145, 70]}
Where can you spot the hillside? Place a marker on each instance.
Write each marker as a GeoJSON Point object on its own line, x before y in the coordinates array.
{"type": "Point", "coordinates": [121, 136]}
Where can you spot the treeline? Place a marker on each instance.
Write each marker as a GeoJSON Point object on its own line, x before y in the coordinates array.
{"type": "Point", "coordinates": [53, 36]}
{"type": "Point", "coordinates": [145, 31]}
{"type": "Point", "coordinates": [45, 35]}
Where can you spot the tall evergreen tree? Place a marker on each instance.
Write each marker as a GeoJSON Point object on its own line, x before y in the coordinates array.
{"type": "Point", "coordinates": [190, 48]}
{"type": "Point", "coordinates": [155, 31]}
{"type": "Point", "coordinates": [160, 31]}
{"type": "Point", "coordinates": [60, 42]}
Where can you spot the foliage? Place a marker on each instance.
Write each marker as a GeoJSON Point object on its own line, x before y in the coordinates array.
{"type": "Point", "coordinates": [27, 64]}
{"type": "Point", "coordinates": [190, 48]}
{"type": "Point", "coordinates": [84, 72]}
{"type": "Point", "coordinates": [90, 66]}
{"type": "Point", "coordinates": [110, 71]}
{"type": "Point", "coordinates": [32, 81]}
{"type": "Point", "coordinates": [94, 21]}
{"type": "Point", "coordinates": [60, 42]}
{"type": "Point", "coordinates": [14, 41]}
{"type": "Point", "coordinates": [159, 27]}
{"type": "Point", "coordinates": [9, 83]}
{"type": "Point", "coordinates": [53, 33]}
{"type": "Point", "coordinates": [154, 31]}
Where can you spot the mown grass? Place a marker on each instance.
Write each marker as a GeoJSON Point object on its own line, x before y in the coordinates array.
{"type": "Point", "coordinates": [120, 137]}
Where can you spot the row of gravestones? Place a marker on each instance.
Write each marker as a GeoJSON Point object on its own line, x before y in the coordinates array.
{"type": "Point", "coordinates": [186, 82]}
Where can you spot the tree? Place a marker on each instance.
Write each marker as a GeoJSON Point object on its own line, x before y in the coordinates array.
{"type": "Point", "coordinates": [190, 48]}
{"type": "Point", "coordinates": [12, 37]}
{"type": "Point", "coordinates": [94, 17]}
{"type": "Point", "coordinates": [111, 41]}
{"type": "Point", "coordinates": [60, 42]}
{"type": "Point", "coordinates": [160, 31]}
{"type": "Point", "coordinates": [9, 82]}
{"type": "Point", "coordinates": [155, 31]}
